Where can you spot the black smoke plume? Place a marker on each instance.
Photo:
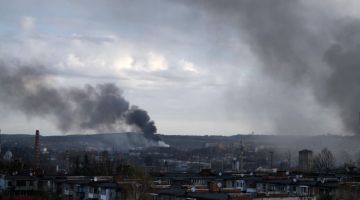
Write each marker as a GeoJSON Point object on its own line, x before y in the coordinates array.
{"type": "Point", "coordinates": [142, 120]}
{"type": "Point", "coordinates": [101, 107]}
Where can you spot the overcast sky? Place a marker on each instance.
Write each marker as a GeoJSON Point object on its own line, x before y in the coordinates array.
{"type": "Point", "coordinates": [198, 67]}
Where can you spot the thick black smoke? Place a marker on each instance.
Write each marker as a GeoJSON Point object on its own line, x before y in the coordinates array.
{"type": "Point", "coordinates": [142, 120]}
{"type": "Point", "coordinates": [300, 44]}
{"type": "Point", "coordinates": [100, 108]}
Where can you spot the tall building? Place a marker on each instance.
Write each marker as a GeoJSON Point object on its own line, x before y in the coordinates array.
{"type": "Point", "coordinates": [305, 160]}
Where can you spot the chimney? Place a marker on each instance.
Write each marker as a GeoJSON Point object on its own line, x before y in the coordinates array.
{"type": "Point", "coordinates": [37, 149]}
{"type": "Point", "coordinates": [0, 141]}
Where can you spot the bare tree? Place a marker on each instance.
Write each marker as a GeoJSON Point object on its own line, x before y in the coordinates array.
{"type": "Point", "coordinates": [324, 161]}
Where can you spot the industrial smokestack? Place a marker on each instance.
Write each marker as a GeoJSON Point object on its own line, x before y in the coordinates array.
{"type": "Point", "coordinates": [37, 149]}
{"type": "Point", "coordinates": [0, 142]}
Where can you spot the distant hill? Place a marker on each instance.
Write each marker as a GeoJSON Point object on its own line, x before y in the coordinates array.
{"type": "Point", "coordinates": [106, 141]}
{"type": "Point", "coordinates": [316, 143]}
{"type": "Point", "coordinates": [126, 141]}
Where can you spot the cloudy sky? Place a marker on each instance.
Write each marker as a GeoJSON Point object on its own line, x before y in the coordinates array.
{"type": "Point", "coordinates": [197, 67]}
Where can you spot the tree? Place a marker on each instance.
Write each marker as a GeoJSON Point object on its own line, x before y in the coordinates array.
{"type": "Point", "coordinates": [324, 161]}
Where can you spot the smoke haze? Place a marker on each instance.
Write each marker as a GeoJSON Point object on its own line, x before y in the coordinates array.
{"type": "Point", "coordinates": [205, 66]}
{"type": "Point", "coordinates": [100, 108]}
{"type": "Point", "coordinates": [300, 48]}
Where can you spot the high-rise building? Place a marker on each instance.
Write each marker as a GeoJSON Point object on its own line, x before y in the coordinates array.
{"type": "Point", "coordinates": [305, 160]}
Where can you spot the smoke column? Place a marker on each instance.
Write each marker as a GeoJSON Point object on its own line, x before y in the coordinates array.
{"type": "Point", "coordinates": [101, 107]}
{"type": "Point", "coordinates": [300, 46]}
{"type": "Point", "coordinates": [142, 120]}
